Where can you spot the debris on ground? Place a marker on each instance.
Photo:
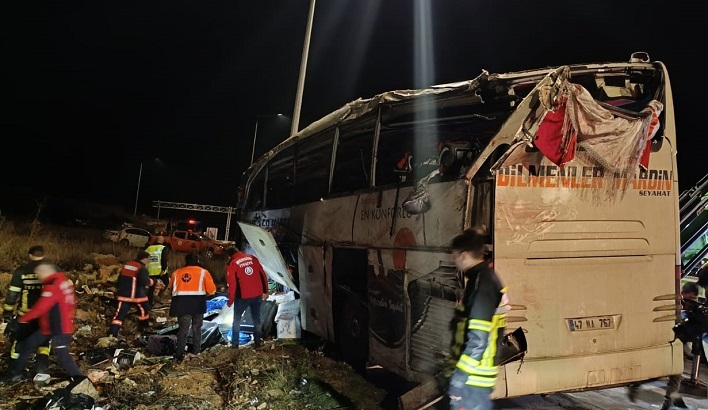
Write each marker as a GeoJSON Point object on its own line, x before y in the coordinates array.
{"type": "Point", "coordinates": [122, 373]}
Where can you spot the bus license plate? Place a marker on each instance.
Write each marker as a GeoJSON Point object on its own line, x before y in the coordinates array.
{"type": "Point", "coordinates": [591, 323]}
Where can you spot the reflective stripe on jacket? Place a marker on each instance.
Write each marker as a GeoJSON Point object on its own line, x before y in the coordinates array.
{"type": "Point", "coordinates": [132, 281]}
{"type": "Point", "coordinates": [190, 286]}
{"type": "Point", "coordinates": [183, 282]}
{"type": "Point", "coordinates": [486, 305]}
{"type": "Point", "coordinates": [483, 373]}
{"type": "Point", "coordinates": [24, 288]}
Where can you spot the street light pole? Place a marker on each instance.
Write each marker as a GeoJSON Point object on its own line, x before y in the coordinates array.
{"type": "Point", "coordinates": [303, 69]}
{"type": "Point", "coordinates": [137, 193]}
{"type": "Point", "coordinates": [255, 133]}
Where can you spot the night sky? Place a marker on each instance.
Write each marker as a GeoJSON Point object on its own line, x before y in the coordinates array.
{"type": "Point", "coordinates": [92, 89]}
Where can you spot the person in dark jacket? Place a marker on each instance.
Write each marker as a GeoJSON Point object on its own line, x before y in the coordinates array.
{"type": "Point", "coordinates": [133, 282]}
{"type": "Point", "coordinates": [248, 288]}
{"type": "Point", "coordinates": [190, 286]}
{"type": "Point", "coordinates": [484, 307]}
{"type": "Point", "coordinates": [55, 311]}
{"type": "Point", "coordinates": [23, 292]}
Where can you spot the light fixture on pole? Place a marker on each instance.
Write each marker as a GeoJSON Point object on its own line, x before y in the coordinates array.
{"type": "Point", "coordinates": [255, 133]}
{"type": "Point", "coordinates": [137, 193]}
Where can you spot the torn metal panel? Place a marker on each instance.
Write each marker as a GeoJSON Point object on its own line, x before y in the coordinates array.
{"type": "Point", "coordinates": [268, 254]}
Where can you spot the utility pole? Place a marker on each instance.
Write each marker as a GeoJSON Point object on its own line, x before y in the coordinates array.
{"type": "Point", "coordinates": [137, 193]}
{"type": "Point", "coordinates": [303, 69]}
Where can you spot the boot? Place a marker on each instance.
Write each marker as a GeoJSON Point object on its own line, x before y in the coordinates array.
{"type": "Point", "coordinates": [633, 392]}
{"type": "Point", "coordinates": [41, 364]}
{"type": "Point", "coordinates": [144, 326]}
{"type": "Point", "coordinates": [673, 403]}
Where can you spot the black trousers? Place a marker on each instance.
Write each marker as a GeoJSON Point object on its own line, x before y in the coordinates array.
{"type": "Point", "coordinates": [187, 322]}
{"type": "Point", "coordinates": [25, 330]}
{"type": "Point", "coordinates": [60, 345]}
{"type": "Point", "coordinates": [122, 312]}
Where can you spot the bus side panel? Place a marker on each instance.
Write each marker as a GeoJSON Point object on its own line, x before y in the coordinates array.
{"type": "Point", "coordinates": [328, 221]}
{"type": "Point", "coordinates": [387, 311]}
{"type": "Point", "coordinates": [316, 286]}
{"type": "Point", "coordinates": [380, 220]}
{"type": "Point", "coordinates": [409, 333]}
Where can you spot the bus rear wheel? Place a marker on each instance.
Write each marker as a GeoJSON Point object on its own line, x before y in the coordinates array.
{"type": "Point", "coordinates": [354, 333]}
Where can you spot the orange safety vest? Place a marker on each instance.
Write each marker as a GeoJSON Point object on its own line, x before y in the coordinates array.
{"type": "Point", "coordinates": [190, 281]}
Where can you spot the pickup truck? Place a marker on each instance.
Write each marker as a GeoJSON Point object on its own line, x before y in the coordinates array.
{"type": "Point", "coordinates": [187, 241]}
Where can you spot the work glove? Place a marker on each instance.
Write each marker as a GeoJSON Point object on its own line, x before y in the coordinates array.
{"type": "Point", "coordinates": [7, 315]}
{"type": "Point", "coordinates": [457, 384]}
{"type": "Point", "coordinates": [159, 285]}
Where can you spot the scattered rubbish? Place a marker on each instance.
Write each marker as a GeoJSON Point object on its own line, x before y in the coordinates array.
{"type": "Point", "coordinates": [288, 320]}
{"type": "Point", "coordinates": [82, 386]}
{"type": "Point", "coordinates": [129, 382]}
{"type": "Point", "coordinates": [97, 376]}
{"type": "Point", "coordinates": [167, 329]}
{"type": "Point", "coordinates": [161, 320]}
{"type": "Point", "coordinates": [83, 330]}
{"type": "Point", "coordinates": [162, 345]}
{"type": "Point", "coordinates": [125, 358]}
{"type": "Point", "coordinates": [78, 394]}
{"type": "Point", "coordinates": [96, 356]}
{"type": "Point", "coordinates": [41, 379]}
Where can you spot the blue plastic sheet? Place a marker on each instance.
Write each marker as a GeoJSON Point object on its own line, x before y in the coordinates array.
{"type": "Point", "coordinates": [243, 338]}
{"type": "Point", "coordinates": [215, 304]}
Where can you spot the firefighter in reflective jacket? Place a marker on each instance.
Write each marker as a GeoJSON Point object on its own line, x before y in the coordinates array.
{"type": "Point", "coordinates": [485, 307]}
{"type": "Point", "coordinates": [55, 309]}
{"type": "Point", "coordinates": [24, 291]}
{"type": "Point", "coordinates": [132, 284]}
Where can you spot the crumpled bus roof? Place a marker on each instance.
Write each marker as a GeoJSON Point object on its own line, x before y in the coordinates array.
{"type": "Point", "coordinates": [469, 88]}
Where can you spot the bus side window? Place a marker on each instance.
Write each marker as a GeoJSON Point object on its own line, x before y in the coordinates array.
{"type": "Point", "coordinates": [255, 193]}
{"type": "Point", "coordinates": [352, 166]}
{"type": "Point", "coordinates": [394, 158]}
{"type": "Point", "coordinates": [482, 205]}
{"type": "Point", "coordinates": [280, 179]}
{"type": "Point", "coordinates": [312, 168]}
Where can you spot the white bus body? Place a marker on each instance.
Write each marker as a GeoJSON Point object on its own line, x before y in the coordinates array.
{"type": "Point", "coordinates": [589, 250]}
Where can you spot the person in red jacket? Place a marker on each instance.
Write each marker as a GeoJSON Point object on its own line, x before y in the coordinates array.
{"type": "Point", "coordinates": [248, 287]}
{"type": "Point", "coordinates": [55, 310]}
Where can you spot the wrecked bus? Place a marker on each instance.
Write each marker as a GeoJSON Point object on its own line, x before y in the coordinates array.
{"type": "Point", "coordinates": [571, 172]}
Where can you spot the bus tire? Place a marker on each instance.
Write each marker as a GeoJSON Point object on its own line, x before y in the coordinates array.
{"type": "Point", "coordinates": [354, 333]}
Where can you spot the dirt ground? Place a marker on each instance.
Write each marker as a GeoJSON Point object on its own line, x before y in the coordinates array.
{"type": "Point", "coordinates": [283, 374]}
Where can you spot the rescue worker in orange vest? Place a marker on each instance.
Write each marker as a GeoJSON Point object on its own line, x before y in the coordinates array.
{"type": "Point", "coordinates": [157, 267]}
{"type": "Point", "coordinates": [132, 284]}
{"type": "Point", "coordinates": [190, 286]}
